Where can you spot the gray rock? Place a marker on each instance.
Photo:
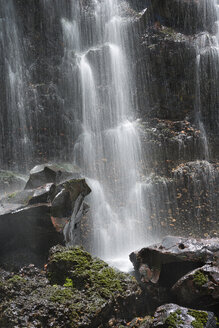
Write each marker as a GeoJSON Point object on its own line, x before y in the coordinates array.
{"type": "Point", "coordinates": [172, 315]}
{"type": "Point", "coordinates": [10, 181]}
{"type": "Point", "coordinates": [48, 173]}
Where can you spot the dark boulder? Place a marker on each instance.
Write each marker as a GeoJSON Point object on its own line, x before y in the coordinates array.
{"type": "Point", "coordinates": [168, 261]}
{"type": "Point", "coordinates": [172, 315]}
{"type": "Point", "coordinates": [33, 220]}
{"type": "Point", "coordinates": [48, 173]}
{"type": "Point", "coordinates": [199, 287]}
{"type": "Point", "coordinates": [27, 232]}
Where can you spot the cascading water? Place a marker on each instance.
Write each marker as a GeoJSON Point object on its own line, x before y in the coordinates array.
{"type": "Point", "coordinates": [18, 146]}
{"type": "Point", "coordinates": [207, 65]}
{"type": "Point", "coordinates": [108, 148]}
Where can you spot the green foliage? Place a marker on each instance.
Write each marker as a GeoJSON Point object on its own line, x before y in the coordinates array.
{"type": "Point", "coordinates": [68, 283]}
{"type": "Point", "coordinates": [16, 280]}
{"type": "Point", "coordinates": [199, 278]}
{"type": "Point", "coordinates": [201, 318]}
{"type": "Point", "coordinates": [174, 319]}
{"type": "Point", "coordinates": [61, 295]}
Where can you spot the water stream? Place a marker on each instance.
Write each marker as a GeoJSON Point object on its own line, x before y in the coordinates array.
{"type": "Point", "coordinates": [108, 148]}
{"type": "Point", "coordinates": [15, 129]}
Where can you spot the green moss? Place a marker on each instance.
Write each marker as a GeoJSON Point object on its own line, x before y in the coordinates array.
{"type": "Point", "coordinates": [174, 320]}
{"type": "Point", "coordinates": [84, 272]}
{"type": "Point", "coordinates": [199, 278]}
{"type": "Point", "coordinates": [201, 318]}
{"type": "Point", "coordinates": [16, 280]}
{"type": "Point", "coordinates": [12, 195]}
{"type": "Point", "coordinates": [61, 295]}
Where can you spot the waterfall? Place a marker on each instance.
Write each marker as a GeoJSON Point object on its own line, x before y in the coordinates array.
{"type": "Point", "coordinates": [108, 149]}
{"type": "Point", "coordinates": [17, 148]}
{"type": "Point", "coordinates": [207, 67]}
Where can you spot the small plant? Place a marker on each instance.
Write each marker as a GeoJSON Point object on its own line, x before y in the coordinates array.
{"type": "Point", "coordinates": [199, 278]}
{"type": "Point", "coordinates": [68, 283]}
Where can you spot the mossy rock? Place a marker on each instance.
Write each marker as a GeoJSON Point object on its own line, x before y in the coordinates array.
{"type": "Point", "coordinates": [175, 316]}
{"type": "Point", "coordinates": [85, 272]}
{"type": "Point", "coordinates": [200, 278]}
{"type": "Point", "coordinates": [200, 318]}
{"type": "Point", "coordinates": [81, 291]}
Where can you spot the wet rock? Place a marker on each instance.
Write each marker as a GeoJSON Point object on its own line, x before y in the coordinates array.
{"type": "Point", "coordinates": [33, 220]}
{"type": "Point", "coordinates": [80, 291]}
{"type": "Point", "coordinates": [47, 173]}
{"type": "Point", "coordinates": [69, 203]}
{"type": "Point", "coordinates": [168, 261]}
{"type": "Point", "coordinates": [169, 142]}
{"type": "Point", "coordinates": [43, 194]}
{"type": "Point", "coordinates": [187, 16]}
{"type": "Point", "coordinates": [165, 87]}
{"type": "Point", "coordinates": [10, 181]}
{"type": "Point", "coordinates": [26, 234]}
{"type": "Point", "coordinates": [172, 315]}
{"type": "Point", "coordinates": [199, 288]}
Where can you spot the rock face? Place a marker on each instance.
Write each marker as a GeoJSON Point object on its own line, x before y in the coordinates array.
{"type": "Point", "coordinates": [33, 220]}
{"type": "Point", "coordinates": [167, 39]}
{"type": "Point", "coordinates": [77, 291]}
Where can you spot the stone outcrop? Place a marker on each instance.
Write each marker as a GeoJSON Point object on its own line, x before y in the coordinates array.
{"type": "Point", "coordinates": [33, 220]}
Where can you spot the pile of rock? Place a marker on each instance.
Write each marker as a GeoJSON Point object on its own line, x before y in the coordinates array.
{"type": "Point", "coordinates": [34, 219]}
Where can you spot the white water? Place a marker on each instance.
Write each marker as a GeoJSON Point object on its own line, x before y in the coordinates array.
{"type": "Point", "coordinates": [207, 47]}
{"type": "Point", "coordinates": [19, 141]}
{"type": "Point", "coordinates": [108, 149]}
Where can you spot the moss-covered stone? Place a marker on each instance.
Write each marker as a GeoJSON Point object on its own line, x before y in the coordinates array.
{"type": "Point", "coordinates": [174, 319]}
{"type": "Point", "coordinates": [200, 278]}
{"type": "Point", "coordinates": [84, 272]}
{"type": "Point", "coordinates": [201, 318]}
{"type": "Point", "coordinates": [61, 295]}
